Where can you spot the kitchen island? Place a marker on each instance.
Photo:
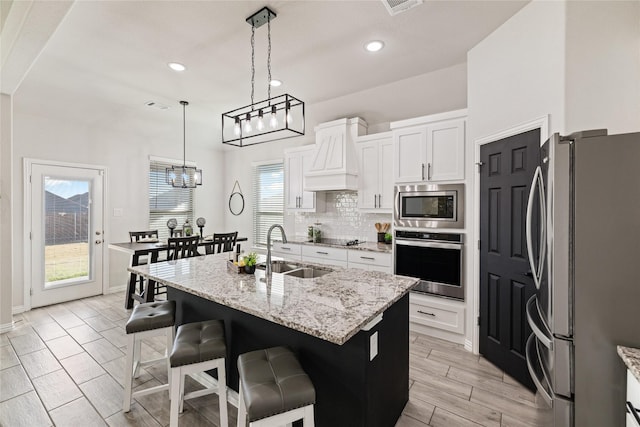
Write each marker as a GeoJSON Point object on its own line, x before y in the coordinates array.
{"type": "Point", "coordinates": [349, 329]}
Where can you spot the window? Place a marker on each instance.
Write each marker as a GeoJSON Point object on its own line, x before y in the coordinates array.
{"type": "Point", "coordinates": [167, 202]}
{"type": "Point", "coordinates": [268, 202]}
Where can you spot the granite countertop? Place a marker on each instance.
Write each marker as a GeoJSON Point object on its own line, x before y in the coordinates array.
{"type": "Point", "coordinates": [631, 357]}
{"type": "Point", "coordinates": [333, 307]}
{"type": "Point", "coordinates": [364, 246]}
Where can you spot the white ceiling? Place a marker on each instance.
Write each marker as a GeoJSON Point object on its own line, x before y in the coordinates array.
{"type": "Point", "coordinates": [107, 58]}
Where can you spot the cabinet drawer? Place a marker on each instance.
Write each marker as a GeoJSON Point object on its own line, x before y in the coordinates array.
{"type": "Point", "coordinates": [325, 261]}
{"type": "Point", "coordinates": [288, 248]}
{"type": "Point", "coordinates": [371, 267]}
{"type": "Point", "coordinates": [323, 252]}
{"type": "Point", "coordinates": [371, 258]}
{"type": "Point", "coordinates": [441, 315]}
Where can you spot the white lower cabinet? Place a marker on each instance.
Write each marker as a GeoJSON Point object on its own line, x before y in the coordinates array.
{"type": "Point", "coordinates": [372, 261]}
{"type": "Point", "coordinates": [633, 400]}
{"type": "Point", "coordinates": [324, 255]}
{"type": "Point", "coordinates": [437, 317]}
{"type": "Point", "coordinates": [287, 251]}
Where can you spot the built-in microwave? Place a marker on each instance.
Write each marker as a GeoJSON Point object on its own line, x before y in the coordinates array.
{"type": "Point", "coordinates": [429, 206]}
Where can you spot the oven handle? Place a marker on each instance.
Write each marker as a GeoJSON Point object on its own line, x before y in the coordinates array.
{"type": "Point", "coordinates": [423, 244]}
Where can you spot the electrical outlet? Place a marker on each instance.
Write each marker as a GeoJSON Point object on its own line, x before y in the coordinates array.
{"type": "Point", "coordinates": [373, 346]}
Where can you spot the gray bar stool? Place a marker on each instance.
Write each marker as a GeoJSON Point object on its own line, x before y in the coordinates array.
{"type": "Point", "coordinates": [274, 389]}
{"type": "Point", "coordinates": [198, 347]}
{"type": "Point", "coordinates": [147, 320]}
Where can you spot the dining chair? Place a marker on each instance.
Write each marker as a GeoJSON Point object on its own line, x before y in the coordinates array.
{"type": "Point", "coordinates": [222, 242]}
{"type": "Point", "coordinates": [182, 247]}
{"type": "Point", "coordinates": [136, 236]}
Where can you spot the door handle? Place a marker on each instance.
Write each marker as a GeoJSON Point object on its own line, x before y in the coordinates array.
{"type": "Point", "coordinates": [98, 242]}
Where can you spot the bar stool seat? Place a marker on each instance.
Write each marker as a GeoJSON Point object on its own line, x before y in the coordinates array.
{"type": "Point", "coordinates": [147, 320]}
{"type": "Point", "coordinates": [198, 347]}
{"type": "Point", "coordinates": [274, 389]}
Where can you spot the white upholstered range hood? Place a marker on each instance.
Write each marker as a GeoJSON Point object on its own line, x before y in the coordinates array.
{"type": "Point", "coordinates": [334, 165]}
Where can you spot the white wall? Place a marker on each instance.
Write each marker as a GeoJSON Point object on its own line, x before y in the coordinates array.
{"type": "Point", "coordinates": [125, 152]}
{"type": "Point", "coordinates": [430, 93]}
{"type": "Point", "coordinates": [6, 257]}
{"type": "Point", "coordinates": [603, 66]}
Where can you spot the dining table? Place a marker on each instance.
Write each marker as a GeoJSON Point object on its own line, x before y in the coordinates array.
{"type": "Point", "coordinates": [138, 251]}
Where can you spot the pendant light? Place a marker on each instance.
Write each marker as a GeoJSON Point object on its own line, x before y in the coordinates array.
{"type": "Point", "coordinates": [184, 176]}
{"type": "Point", "coordinates": [272, 119]}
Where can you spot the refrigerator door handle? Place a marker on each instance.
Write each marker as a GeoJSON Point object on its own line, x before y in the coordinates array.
{"type": "Point", "coordinates": [538, 325]}
{"type": "Point", "coordinates": [532, 357]}
{"type": "Point", "coordinates": [535, 183]}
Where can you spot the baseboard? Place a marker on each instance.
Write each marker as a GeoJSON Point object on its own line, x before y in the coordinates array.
{"type": "Point", "coordinates": [116, 289]}
{"type": "Point", "coordinates": [468, 345]}
{"type": "Point", "coordinates": [6, 327]}
{"type": "Point", "coordinates": [17, 309]}
{"type": "Point", "coordinates": [437, 333]}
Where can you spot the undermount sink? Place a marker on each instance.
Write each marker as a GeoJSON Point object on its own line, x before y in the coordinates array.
{"type": "Point", "coordinates": [278, 266]}
{"type": "Point", "coordinates": [296, 270]}
{"type": "Point", "coordinates": [307, 272]}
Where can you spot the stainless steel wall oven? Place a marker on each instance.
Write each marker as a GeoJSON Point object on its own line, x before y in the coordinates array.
{"type": "Point", "coordinates": [435, 258]}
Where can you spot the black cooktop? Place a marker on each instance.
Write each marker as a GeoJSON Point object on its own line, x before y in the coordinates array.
{"type": "Point", "coordinates": [339, 242]}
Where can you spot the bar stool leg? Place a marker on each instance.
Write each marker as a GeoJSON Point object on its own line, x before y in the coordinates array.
{"type": "Point", "coordinates": [171, 333]}
{"type": "Point", "coordinates": [175, 396]}
{"type": "Point", "coordinates": [222, 393]}
{"type": "Point", "coordinates": [242, 410]}
{"type": "Point", "coordinates": [126, 406]}
{"type": "Point", "coordinates": [137, 351]}
{"type": "Point", "coordinates": [308, 416]}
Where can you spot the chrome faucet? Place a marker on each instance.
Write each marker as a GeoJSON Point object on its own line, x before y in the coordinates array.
{"type": "Point", "coordinates": [284, 240]}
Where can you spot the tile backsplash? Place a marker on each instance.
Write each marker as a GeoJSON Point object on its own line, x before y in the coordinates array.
{"type": "Point", "coordinates": [341, 219]}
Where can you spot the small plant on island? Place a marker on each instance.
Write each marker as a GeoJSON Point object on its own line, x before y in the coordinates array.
{"type": "Point", "coordinates": [251, 259]}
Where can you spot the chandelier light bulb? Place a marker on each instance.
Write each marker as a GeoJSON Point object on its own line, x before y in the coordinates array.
{"type": "Point", "coordinates": [260, 124]}
{"type": "Point", "coordinates": [247, 123]}
{"type": "Point", "coordinates": [273, 121]}
{"type": "Point", "coordinates": [288, 113]}
{"type": "Point", "coordinates": [236, 127]}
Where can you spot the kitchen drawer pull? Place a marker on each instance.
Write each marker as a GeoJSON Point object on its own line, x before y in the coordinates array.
{"type": "Point", "coordinates": [428, 314]}
{"type": "Point", "coordinates": [423, 171]}
{"type": "Point", "coordinates": [322, 253]}
{"type": "Point", "coordinates": [634, 412]}
{"type": "Point", "coordinates": [286, 248]}
{"type": "Point", "coordinates": [368, 257]}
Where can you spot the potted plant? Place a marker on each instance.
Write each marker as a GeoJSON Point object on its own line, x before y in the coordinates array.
{"type": "Point", "coordinates": [388, 237]}
{"type": "Point", "coordinates": [250, 261]}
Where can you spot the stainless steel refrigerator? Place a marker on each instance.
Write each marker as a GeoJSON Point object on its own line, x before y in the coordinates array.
{"type": "Point", "coordinates": [585, 258]}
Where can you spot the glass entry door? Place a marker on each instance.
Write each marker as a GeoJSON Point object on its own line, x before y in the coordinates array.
{"type": "Point", "coordinates": [66, 233]}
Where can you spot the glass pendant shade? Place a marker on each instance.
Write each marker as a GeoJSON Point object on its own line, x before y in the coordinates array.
{"type": "Point", "coordinates": [184, 176]}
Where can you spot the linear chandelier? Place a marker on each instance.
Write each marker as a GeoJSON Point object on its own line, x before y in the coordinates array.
{"type": "Point", "coordinates": [184, 176]}
{"type": "Point", "coordinates": [271, 119]}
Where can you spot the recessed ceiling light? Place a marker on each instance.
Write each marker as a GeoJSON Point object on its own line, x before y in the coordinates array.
{"type": "Point", "coordinates": [176, 66]}
{"type": "Point", "coordinates": [275, 82]}
{"type": "Point", "coordinates": [374, 45]}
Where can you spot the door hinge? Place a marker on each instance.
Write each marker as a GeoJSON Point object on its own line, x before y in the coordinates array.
{"type": "Point", "coordinates": [31, 292]}
{"type": "Point", "coordinates": [478, 320]}
{"type": "Point", "coordinates": [29, 179]}
{"type": "Point", "coordinates": [478, 244]}
{"type": "Point", "coordinates": [30, 236]}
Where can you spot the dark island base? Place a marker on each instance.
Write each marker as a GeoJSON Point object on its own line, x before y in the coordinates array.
{"type": "Point", "coordinates": [351, 391]}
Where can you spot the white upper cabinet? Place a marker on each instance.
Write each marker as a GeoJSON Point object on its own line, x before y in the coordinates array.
{"type": "Point", "coordinates": [429, 148]}
{"type": "Point", "coordinates": [334, 165]}
{"type": "Point", "coordinates": [296, 162]}
{"type": "Point", "coordinates": [375, 179]}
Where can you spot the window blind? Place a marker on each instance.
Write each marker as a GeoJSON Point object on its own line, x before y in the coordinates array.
{"type": "Point", "coordinates": [268, 202]}
{"type": "Point", "coordinates": [166, 201]}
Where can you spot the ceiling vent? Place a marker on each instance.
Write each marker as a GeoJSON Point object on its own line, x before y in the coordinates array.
{"type": "Point", "coordinates": [395, 7]}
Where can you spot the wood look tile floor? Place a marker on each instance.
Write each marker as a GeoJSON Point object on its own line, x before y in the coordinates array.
{"type": "Point", "coordinates": [63, 365]}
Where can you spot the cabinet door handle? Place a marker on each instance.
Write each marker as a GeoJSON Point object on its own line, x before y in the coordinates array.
{"type": "Point", "coordinates": [322, 253]}
{"type": "Point", "coordinates": [423, 171]}
{"type": "Point", "coordinates": [368, 257]}
{"type": "Point", "coordinates": [429, 171]}
{"type": "Point", "coordinates": [428, 314]}
{"type": "Point", "coordinates": [379, 200]}
{"type": "Point", "coordinates": [375, 203]}
{"type": "Point", "coordinates": [285, 248]}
